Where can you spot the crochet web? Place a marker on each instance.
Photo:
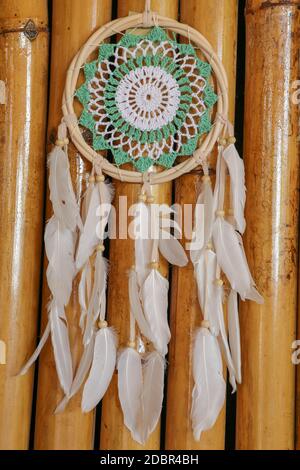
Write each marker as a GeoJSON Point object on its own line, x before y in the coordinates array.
{"type": "Point", "coordinates": [147, 99]}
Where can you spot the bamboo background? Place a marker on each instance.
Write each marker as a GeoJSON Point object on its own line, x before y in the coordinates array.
{"type": "Point", "coordinates": [258, 42]}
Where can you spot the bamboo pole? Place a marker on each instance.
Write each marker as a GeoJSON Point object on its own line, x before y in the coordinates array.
{"type": "Point", "coordinates": [73, 22]}
{"type": "Point", "coordinates": [297, 351]}
{"type": "Point", "coordinates": [297, 359]}
{"type": "Point", "coordinates": [266, 411]}
{"type": "Point", "coordinates": [23, 70]}
{"type": "Point", "coordinates": [218, 24]}
{"type": "Point", "coordinates": [114, 435]}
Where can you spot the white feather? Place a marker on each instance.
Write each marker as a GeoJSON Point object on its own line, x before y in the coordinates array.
{"type": "Point", "coordinates": [152, 396]}
{"type": "Point", "coordinates": [223, 339]}
{"type": "Point", "coordinates": [154, 294]}
{"type": "Point", "coordinates": [210, 389]}
{"type": "Point", "coordinates": [237, 183]}
{"type": "Point", "coordinates": [205, 273]}
{"type": "Point", "coordinates": [199, 238]}
{"type": "Point", "coordinates": [86, 201]}
{"type": "Point", "coordinates": [169, 246]}
{"type": "Point", "coordinates": [165, 222]}
{"type": "Point", "coordinates": [36, 353]}
{"type": "Point", "coordinates": [232, 260]}
{"type": "Point", "coordinates": [81, 372]}
{"type": "Point", "coordinates": [256, 296]}
{"type": "Point", "coordinates": [234, 334]}
{"type": "Point", "coordinates": [62, 195]}
{"type": "Point", "coordinates": [130, 386]}
{"type": "Point", "coordinates": [97, 301]}
{"type": "Point", "coordinates": [172, 251]}
{"type": "Point", "coordinates": [59, 245]}
{"type": "Point", "coordinates": [61, 346]}
{"type": "Point", "coordinates": [143, 244]}
{"type": "Point", "coordinates": [95, 222]}
{"type": "Point", "coordinates": [103, 366]}
{"type": "Point", "coordinates": [84, 292]}
{"type": "Point", "coordinates": [136, 306]}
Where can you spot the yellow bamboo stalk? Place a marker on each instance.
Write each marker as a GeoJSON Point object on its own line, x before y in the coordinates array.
{"type": "Point", "coordinates": [218, 24]}
{"type": "Point", "coordinates": [114, 435]}
{"type": "Point", "coordinates": [73, 22]}
{"type": "Point", "coordinates": [23, 106]}
{"type": "Point", "coordinates": [297, 353]}
{"type": "Point", "coordinates": [266, 400]}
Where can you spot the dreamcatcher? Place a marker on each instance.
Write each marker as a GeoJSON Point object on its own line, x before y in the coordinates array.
{"type": "Point", "coordinates": [148, 99]}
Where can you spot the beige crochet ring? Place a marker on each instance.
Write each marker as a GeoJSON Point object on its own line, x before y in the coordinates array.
{"type": "Point", "coordinates": [145, 20]}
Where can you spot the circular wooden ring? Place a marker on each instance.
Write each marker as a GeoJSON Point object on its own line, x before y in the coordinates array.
{"type": "Point", "coordinates": [93, 43]}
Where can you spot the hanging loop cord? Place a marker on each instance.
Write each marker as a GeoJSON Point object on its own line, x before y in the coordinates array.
{"type": "Point", "coordinates": [148, 14]}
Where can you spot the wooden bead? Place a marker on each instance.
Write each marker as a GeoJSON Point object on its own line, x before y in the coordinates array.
{"type": "Point", "coordinates": [219, 282]}
{"type": "Point", "coordinates": [205, 324]}
{"type": "Point", "coordinates": [62, 142]}
{"type": "Point", "coordinates": [150, 200]}
{"type": "Point", "coordinates": [100, 178]}
{"type": "Point", "coordinates": [206, 179]}
{"type": "Point", "coordinates": [154, 265]}
{"type": "Point", "coordinates": [142, 198]}
{"type": "Point", "coordinates": [92, 179]}
{"type": "Point", "coordinates": [131, 344]}
{"type": "Point", "coordinates": [102, 324]}
{"type": "Point", "coordinates": [220, 213]}
{"type": "Point", "coordinates": [231, 140]}
{"type": "Point", "coordinates": [222, 142]}
{"type": "Point", "coordinates": [100, 248]}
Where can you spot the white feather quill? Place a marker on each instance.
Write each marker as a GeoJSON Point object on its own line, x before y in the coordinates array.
{"type": "Point", "coordinates": [143, 243]}
{"type": "Point", "coordinates": [36, 353]}
{"type": "Point", "coordinates": [234, 334]}
{"type": "Point", "coordinates": [84, 291]}
{"type": "Point", "coordinates": [154, 294]}
{"type": "Point", "coordinates": [95, 222]}
{"type": "Point", "coordinates": [136, 306]}
{"type": "Point", "coordinates": [210, 389]}
{"type": "Point", "coordinates": [203, 227]}
{"type": "Point", "coordinates": [205, 273]}
{"type": "Point", "coordinates": [59, 245]}
{"type": "Point", "coordinates": [103, 366]}
{"type": "Point", "coordinates": [97, 303]}
{"type": "Point", "coordinates": [223, 339]}
{"type": "Point", "coordinates": [152, 396]}
{"type": "Point", "coordinates": [61, 346]}
{"type": "Point", "coordinates": [81, 372]}
{"type": "Point", "coordinates": [237, 183]}
{"type": "Point", "coordinates": [62, 195]}
{"type": "Point", "coordinates": [86, 200]}
{"type": "Point", "coordinates": [232, 260]}
{"type": "Point", "coordinates": [130, 387]}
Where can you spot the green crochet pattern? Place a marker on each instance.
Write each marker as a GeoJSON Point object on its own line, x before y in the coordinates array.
{"type": "Point", "coordinates": [147, 99]}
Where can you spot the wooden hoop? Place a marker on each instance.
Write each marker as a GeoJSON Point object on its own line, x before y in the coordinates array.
{"type": "Point", "coordinates": [117, 26]}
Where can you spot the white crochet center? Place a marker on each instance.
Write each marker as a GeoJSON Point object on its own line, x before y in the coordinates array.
{"type": "Point", "coordinates": [148, 98]}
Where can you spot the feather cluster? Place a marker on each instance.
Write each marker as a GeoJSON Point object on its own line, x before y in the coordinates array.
{"type": "Point", "coordinates": [222, 250]}
{"type": "Point", "coordinates": [60, 240]}
{"type": "Point", "coordinates": [100, 346]}
{"type": "Point", "coordinates": [74, 245]}
{"type": "Point", "coordinates": [141, 377]}
{"type": "Point", "coordinates": [141, 391]}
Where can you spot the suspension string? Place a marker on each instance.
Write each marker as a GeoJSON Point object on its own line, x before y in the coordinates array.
{"type": "Point", "coordinates": [147, 15]}
{"type": "Point", "coordinates": [147, 6]}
